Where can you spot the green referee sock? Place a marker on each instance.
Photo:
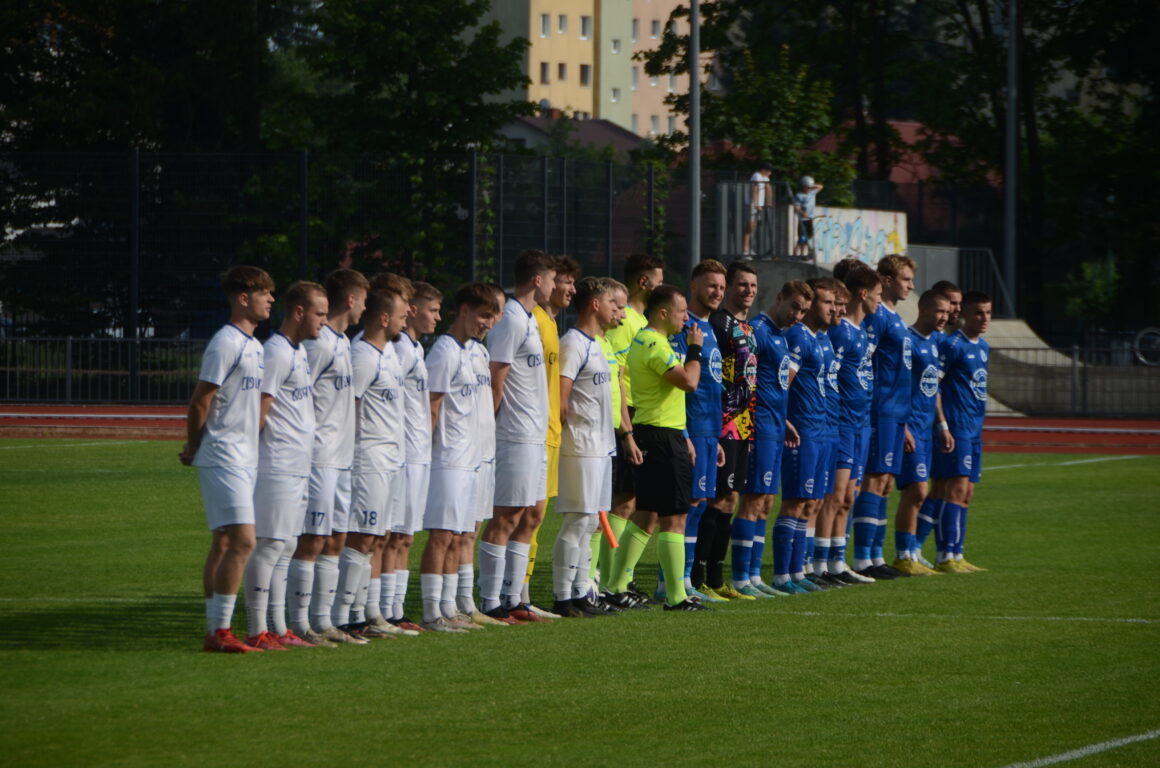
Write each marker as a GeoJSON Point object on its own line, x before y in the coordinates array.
{"type": "Point", "coordinates": [607, 553]}
{"type": "Point", "coordinates": [594, 545]}
{"type": "Point", "coordinates": [632, 544]}
{"type": "Point", "coordinates": [671, 553]}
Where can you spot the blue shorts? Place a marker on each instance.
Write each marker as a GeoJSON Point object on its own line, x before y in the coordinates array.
{"type": "Point", "coordinates": [886, 440]}
{"type": "Point", "coordinates": [704, 468]}
{"type": "Point", "coordinates": [764, 467]}
{"type": "Point", "coordinates": [802, 469]}
{"type": "Point", "coordinates": [966, 460]}
{"type": "Point", "coordinates": [829, 465]}
{"type": "Point", "coordinates": [916, 466]}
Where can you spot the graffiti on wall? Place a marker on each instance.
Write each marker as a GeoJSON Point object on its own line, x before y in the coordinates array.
{"type": "Point", "coordinates": [867, 234]}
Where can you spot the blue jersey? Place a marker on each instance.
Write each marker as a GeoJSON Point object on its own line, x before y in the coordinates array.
{"type": "Point", "coordinates": [964, 384]}
{"type": "Point", "coordinates": [855, 376]}
{"type": "Point", "coordinates": [807, 394]}
{"type": "Point", "coordinates": [891, 341]}
{"type": "Point", "coordinates": [774, 368]}
{"type": "Point", "coordinates": [703, 406]}
{"type": "Point", "coordinates": [925, 373]}
{"type": "Point", "coordinates": [833, 398]}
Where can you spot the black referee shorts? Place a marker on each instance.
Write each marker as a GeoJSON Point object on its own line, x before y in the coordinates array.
{"type": "Point", "coordinates": [664, 478]}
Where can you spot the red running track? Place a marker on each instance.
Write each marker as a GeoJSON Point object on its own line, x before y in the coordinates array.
{"type": "Point", "coordinates": [1000, 434]}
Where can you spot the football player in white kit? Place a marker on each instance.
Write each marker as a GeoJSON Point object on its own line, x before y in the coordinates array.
{"type": "Point", "coordinates": [222, 442]}
{"type": "Point", "coordinates": [421, 321]}
{"type": "Point", "coordinates": [520, 393]}
{"type": "Point", "coordinates": [284, 447]}
{"type": "Point", "coordinates": [379, 456]}
{"type": "Point", "coordinates": [587, 446]}
{"type": "Point", "coordinates": [455, 458]}
{"type": "Point", "coordinates": [314, 568]}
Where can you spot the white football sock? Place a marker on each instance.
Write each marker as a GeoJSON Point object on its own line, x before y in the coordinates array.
{"type": "Point", "coordinates": [300, 590]}
{"type": "Point", "coordinates": [492, 559]}
{"type": "Point", "coordinates": [387, 594]}
{"type": "Point", "coordinates": [447, 605]}
{"type": "Point", "coordinates": [463, 594]}
{"type": "Point", "coordinates": [358, 610]}
{"type": "Point", "coordinates": [220, 611]}
{"type": "Point", "coordinates": [374, 591]}
{"type": "Point", "coordinates": [276, 611]}
{"type": "Point", "coordinates": [566, 555]}
{"type": "Point", "coordinates": [431, 586]}
{"type": "Point", "coordinates": [515, 568]}
{"type": "Point", "coordinates": [326, 571]}
{"type": "Point", "coordinates": [350, 571]}
{"type": "Point", "coordinates": [259, 574]}
{"type": "Point", "coordinates": [401, 579]}
{"type": "Point", "coordinates": [580, 584]}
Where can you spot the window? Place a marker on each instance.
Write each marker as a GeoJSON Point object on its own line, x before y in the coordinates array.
{"type": "Point", "coordinates": [672, 82]}
{"type": "Point", "coordinates": [635, 78]}
{"type": "Point", "coordinates": [672, 125]}
{"type": "Point", "coordinates": [585, 75]}
{"type": "Point", "coordinates": [654, 28]}
{"type": "Point", "coordinates": [545, 24]}
{"type": "Point", "coordinates": [562, 23]}
{"type": "Point", "coordinates": [585, 27]}
{"type": "Point", "coordinates": [561, 72]}
{"type": "Point", "coordinates": [654, 81]}
{"type": "Point", "coordinates": [615, 45]}
{"type": "Point", "coordinates": [615, 95]}
{"type": "Point", "coordinates": [714, 82]}
{"type": "Point", "coordinates": [582, 115]}
{"type": "Point", "coordinates": [545, 69]}
{"type": "Point", "coordinates": [635, 30]}
{"type": "Point", "coordinates": [635, 123]}
{"type": "Point", "coordinates": [654, 124]}
{"type": "Point", "coordinates": [672, 25]}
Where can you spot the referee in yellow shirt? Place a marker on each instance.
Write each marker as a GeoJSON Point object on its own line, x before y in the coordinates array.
{"type": "Point", "coordinates": [664, 478]}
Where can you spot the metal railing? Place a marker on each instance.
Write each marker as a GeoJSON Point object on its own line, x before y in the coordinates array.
{"type": "Point", "coordinates": [80, 370]}
{"type": "Point", "coordinates": [1077, 381]}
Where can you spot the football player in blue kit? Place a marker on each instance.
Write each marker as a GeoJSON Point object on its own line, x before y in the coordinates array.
{"type": "Point", "coordinates": [889, 412]}
{"type": "Point", "coordinates": [963, 356]}
{"type": "Point", "coordinates": [925, 415]}
{"type": "Point", "coordinates": [776, 369]}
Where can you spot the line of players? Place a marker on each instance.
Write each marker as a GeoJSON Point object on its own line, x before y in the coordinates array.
{"type": "Point", "coordinates": [319, 458]}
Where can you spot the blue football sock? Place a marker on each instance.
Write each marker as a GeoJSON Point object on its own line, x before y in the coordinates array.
{"type": "Point", "coordinates": [838, 549]}
{"type": "Point", "coordinates": [949, 527]}
{"type": "Point", "coordinates": [783, 533]}
{"type": "Point", "coordinates": [809, 544]}
{"type": "Point", "coordinates": [865, 517]}
{"type": "Point", "coordinates": [798, 558]}
{"type": "Point", "coordinates": [927, 515]}
{"type": "Point", "coordinates": [821, 554]}
{"type": "Point", "coordinates": [758, 553]}
{"type": "Point", "coordinates": [901, 543]}
{"type": "Point", "coordinates": [881, 518]}
{"type": "Point", "coordinates": [962, 530]}
{"type": "Point", "coordinates": [741, 543]}
{"type": "Point", "coordinates": [692, 523]}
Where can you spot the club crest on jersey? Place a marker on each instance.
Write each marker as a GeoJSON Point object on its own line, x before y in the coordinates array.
{"type": "Point", "coordinates": [907, 352]}
{"type": "Point", "coordinates": [783, 372]}
{"type": "Point", "coordinates": [928, 384]}
{"type": "Point", "coordinates": [979, 384]}
{"type": "Point", "coordinates": [832, 375]}
{"type": "Point", "coordinates": [701, 482]}
{"type": "Point", "coordinates": [983, 355]}
{"type": "Point", "coordinates": [715, 364]}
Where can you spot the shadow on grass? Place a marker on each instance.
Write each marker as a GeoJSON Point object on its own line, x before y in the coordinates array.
{"type": "Point", "coordinates": [162, 622]}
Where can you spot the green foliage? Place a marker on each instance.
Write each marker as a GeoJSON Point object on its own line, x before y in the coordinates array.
{"type": "Point", "coordinates": [1091, 292]}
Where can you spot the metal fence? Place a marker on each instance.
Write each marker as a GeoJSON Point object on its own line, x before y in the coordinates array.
{"type": "Point", "coordinates": [131, 244]}
{"type": "Point", "coordinates": [1091, 381]}
{"type": "Point", "coordinates": [1078, 381]}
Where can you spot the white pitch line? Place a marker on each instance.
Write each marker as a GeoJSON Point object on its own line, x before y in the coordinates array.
{"type": "Point", "coordinates": [68, 445]}
{"type": "Point", "coordinates": [1093, 461]}
{"type": "Point", "coordinates": [1061, 463]}
{"type": "Point", "coordinates": [889, 615]}
{"type": "Point", "coordinates": [1090, 749]}
{"type": "Point", "coordinates": [78, 600]}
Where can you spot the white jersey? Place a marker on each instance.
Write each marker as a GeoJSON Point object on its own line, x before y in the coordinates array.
{"type": "Point", "coordinates": [484, 405]}
{"type": "Point", "coordinates": [454, 444]}
{"type": "Point", "coordinates": [330, 368]}
{"type": "Point", "coordinates": [588, 431]}
{"type": "Point", "coordinates": [416, 399]}
{"type": "Point", "coordinates": [523, 412]}
{"type": "Point", "coordinates": [285, 442]}
{"type": "Point", "coordinates": [232, 361]}
{"type": "Point", "coordinates": [762, 182]}
{"type": "Point", "coordinates": [378, 386]}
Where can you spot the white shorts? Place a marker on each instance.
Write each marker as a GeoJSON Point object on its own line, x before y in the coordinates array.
{"type": "Point", "coordinates": [485, 490]}
{"type": "Point", "coordinates": [451, 500]}
{"type": "Point", "coordinates": [376, 498]}
{"type": "Point", "coordinates": [417, 479]}
{"type": "Point", "coordinates": [280, 503]}
{"type": "Point", "coordinates": [227, 493]}
{"type": "Point", "coordinates": [585, 484]}
{"type": "Point", "coordinates": [328, 509]}
{"type": "Point", "coordinates": [521, 473]}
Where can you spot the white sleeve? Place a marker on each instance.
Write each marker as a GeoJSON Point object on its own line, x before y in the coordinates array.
{"type": "Point", "coordinates": [439, 370]}
{"type": "Point", "coordinates": [572, 356]}
{"type": "Point", "coordinates": [366, 367]}
{"type": "Point", "coordinates": [503, 339]}
{"type": "Point", "coordinates": [277, 367]}
{"type": "Point", "coordinates": [219, 361]}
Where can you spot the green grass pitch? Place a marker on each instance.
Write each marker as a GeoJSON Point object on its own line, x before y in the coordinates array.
{"type": "Point", "coordinates": [1056, 647]}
